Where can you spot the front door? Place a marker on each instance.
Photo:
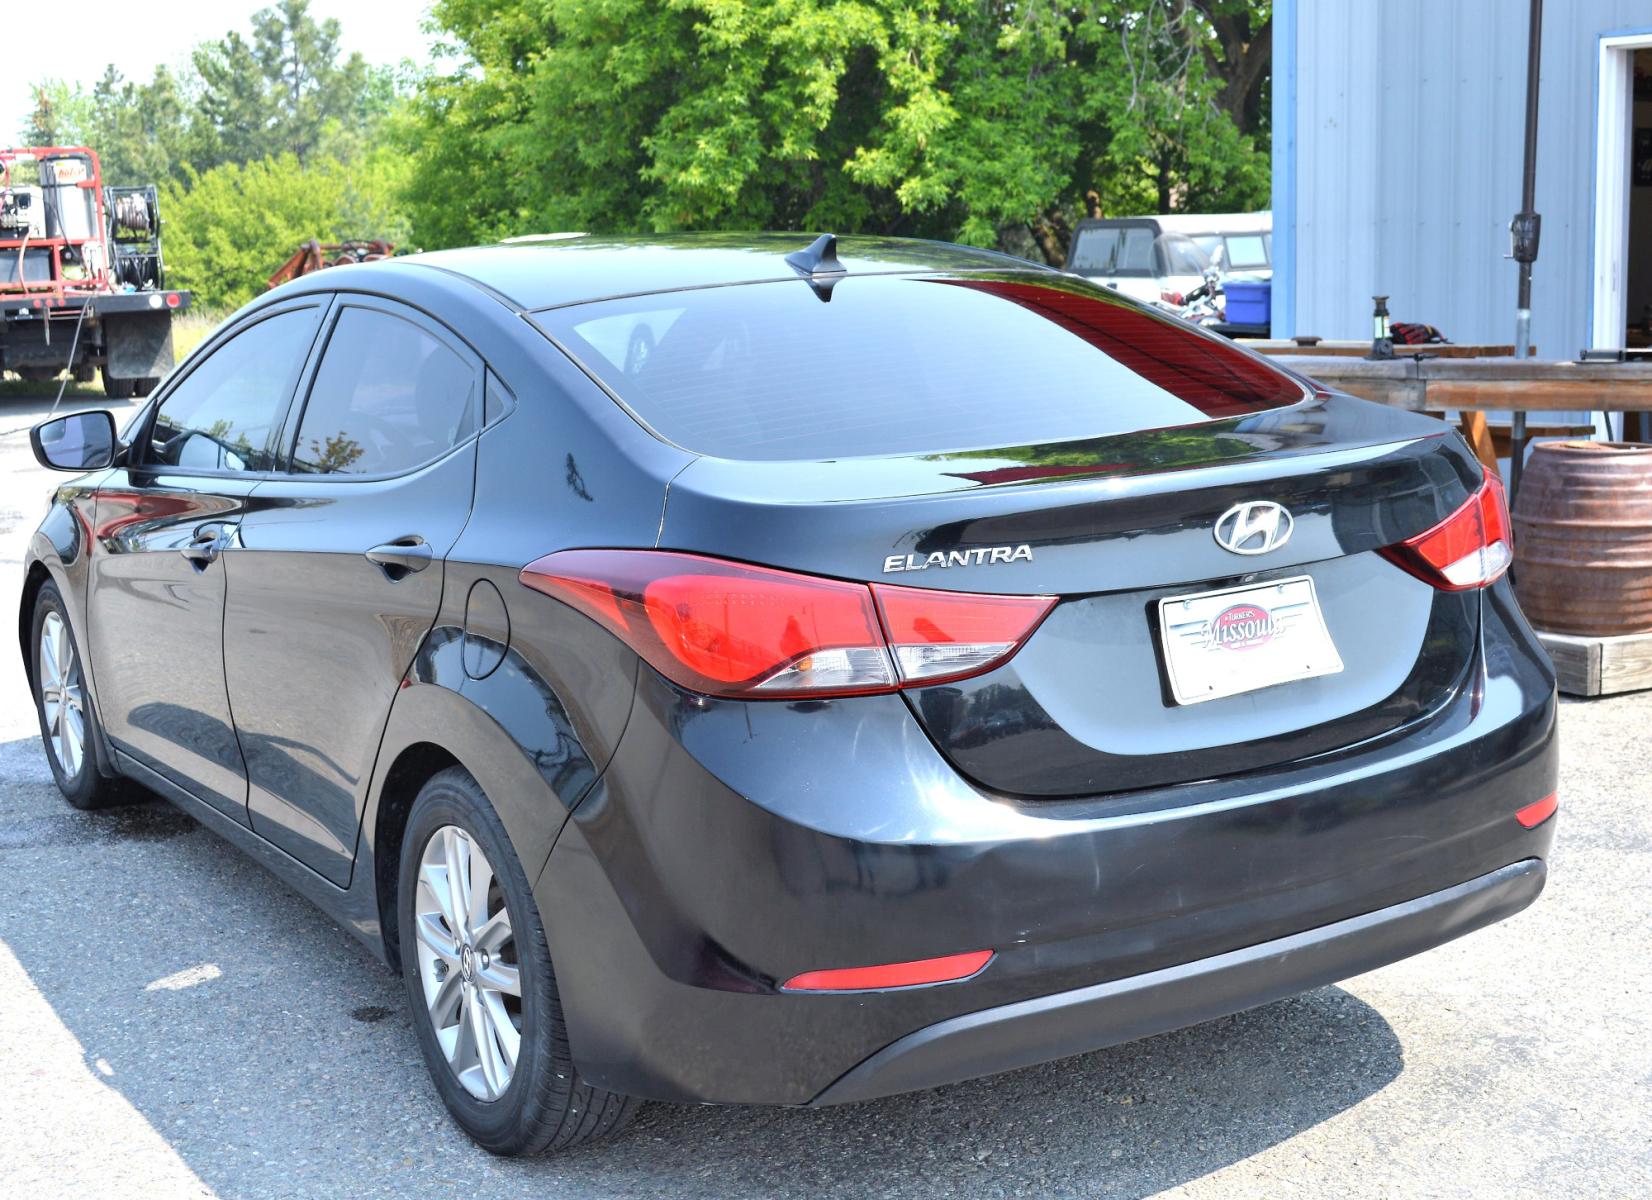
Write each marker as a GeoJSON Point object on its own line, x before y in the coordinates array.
{"type": "Point", "coordinates": [337, 574]}
{"type": "Point", "coordinates": [162, 527]}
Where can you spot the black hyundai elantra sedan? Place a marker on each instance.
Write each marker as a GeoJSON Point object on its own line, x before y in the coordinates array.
{"type": "Point", "coordinates": [758, 671]}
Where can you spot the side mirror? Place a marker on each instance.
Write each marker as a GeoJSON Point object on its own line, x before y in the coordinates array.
{"type": "Point", "coordinates": [82, 441]}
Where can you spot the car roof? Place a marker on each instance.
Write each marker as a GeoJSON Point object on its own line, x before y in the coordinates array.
{"type": "Point", "coordinates": [556, 269]}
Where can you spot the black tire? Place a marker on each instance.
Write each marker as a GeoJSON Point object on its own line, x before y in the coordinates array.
{"type": "Point", "coordinates": [546, 1106]}
{"type": "Point", "coordinates": [118, 389]}
{"type": "Point", "coordinates": [93, 783]}
{"type": "Point", "coordinates": [142, 387]}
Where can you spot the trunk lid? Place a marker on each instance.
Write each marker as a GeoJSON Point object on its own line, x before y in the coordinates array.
{"type": "Point", "coordinates": [1112, 526]}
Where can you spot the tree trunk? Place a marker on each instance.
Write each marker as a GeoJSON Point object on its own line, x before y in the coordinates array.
{"type": "Point", "coordinates": [1247, 56]}
{"type": "Point", "coordinates": [1053, 235]}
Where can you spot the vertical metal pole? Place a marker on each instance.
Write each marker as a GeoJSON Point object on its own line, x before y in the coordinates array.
{"type": "Point", "coordinates": [1525, 230]}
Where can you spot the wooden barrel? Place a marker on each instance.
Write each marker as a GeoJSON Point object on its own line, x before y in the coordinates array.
{"type": "Point", "coordinates": [1583, 538]}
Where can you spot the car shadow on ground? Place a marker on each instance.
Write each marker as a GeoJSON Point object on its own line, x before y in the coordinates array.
{"type": "Point", "coordinates": [275, 1056]}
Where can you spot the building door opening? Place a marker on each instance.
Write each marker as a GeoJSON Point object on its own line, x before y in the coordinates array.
{"type": "Point", "coordinates": [1638, 242]}
{"type": "Point", "coordinates": [1621, 298]}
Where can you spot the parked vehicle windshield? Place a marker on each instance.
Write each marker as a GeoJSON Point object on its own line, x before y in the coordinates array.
{"type": "Point", "coordinates": [879, 365]}
{"type": "Point", "coordinates": [1112, 250]}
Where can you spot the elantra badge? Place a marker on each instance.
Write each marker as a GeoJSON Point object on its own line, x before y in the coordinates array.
{"type": "Point", "coordinates": [1254, 527]}
{"type": "Point", "coordinates": [980, 556]}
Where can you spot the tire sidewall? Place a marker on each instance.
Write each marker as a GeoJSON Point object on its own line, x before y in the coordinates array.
{"type": "Point", "coordinates": [80, 787]}
{"type": "Point", "coordinates": [447, 800]}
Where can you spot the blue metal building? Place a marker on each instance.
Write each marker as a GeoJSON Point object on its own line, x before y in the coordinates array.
{"type": "Point", "coordinates": [1397, 145]}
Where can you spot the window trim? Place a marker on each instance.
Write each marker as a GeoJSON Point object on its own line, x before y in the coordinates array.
{"type": "Point", "coordinates": [140, 433]}
{"type": "Point", "coordinates": [288, 435]}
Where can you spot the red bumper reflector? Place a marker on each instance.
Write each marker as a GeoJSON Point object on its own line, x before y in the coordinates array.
{"type": "Point", "coordinates": [891, 975]}
{"type": "Point", "coordinates": [1534, 815]}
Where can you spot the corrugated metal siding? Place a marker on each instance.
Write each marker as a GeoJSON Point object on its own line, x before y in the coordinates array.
{"type": "Point", "coordinates": [1409, 124]}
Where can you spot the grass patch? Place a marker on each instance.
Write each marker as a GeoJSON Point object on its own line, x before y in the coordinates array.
{"type": "Point", "coordinates": [192, 328]}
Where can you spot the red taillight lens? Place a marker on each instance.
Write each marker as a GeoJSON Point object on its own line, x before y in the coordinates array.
{"type": "Point", "coordinates": [947, 635]}
{"type": "Point", "coordinates": [891, 975]}
{"type": "Point", "coordinates": [1469, 549]}
{"type": "Point", "coordinates": [728, 629]}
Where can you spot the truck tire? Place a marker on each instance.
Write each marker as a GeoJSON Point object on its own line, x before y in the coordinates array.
{"type": "Point", "coordinates": [142, 387]}
{"type": "Point", "coordinates": [118, 389]}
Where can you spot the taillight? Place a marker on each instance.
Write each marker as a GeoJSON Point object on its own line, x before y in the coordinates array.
{"type": "Point", "coordinates": [948, 635]}
{"type": "Point", "coordinates": [1469, 549]}
{"type": "Point", "coordinates": [728, 629]}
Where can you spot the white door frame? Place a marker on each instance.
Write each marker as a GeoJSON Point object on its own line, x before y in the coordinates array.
{"type": "Point", "coordinates": [1614, 125]}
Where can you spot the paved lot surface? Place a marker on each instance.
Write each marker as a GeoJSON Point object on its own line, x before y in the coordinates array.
{"type": "Point", "coordinates": [173, 1023]}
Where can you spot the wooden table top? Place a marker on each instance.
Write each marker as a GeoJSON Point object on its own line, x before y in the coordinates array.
{"type": "Point", "coordinates": [1488, 384]}
{"type": "Point", "coordinates": [1339, 348]}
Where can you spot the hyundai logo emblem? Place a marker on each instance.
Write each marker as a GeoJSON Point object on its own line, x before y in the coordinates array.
{"type": "Point", "coordinates": [1254, 527]}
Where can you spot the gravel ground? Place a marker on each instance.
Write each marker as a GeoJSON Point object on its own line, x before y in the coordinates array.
{"type": "Point", "coordinates": [174, 1022]}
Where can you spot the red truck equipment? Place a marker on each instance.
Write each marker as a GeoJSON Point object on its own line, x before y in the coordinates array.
{"type": "Point", "coordinates": [82, 282]}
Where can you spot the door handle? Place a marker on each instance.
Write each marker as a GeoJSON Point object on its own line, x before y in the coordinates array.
{"type": "Point", "coordinates": [204, 544]}
{"type": "Point", "coordinates": [402, 557]}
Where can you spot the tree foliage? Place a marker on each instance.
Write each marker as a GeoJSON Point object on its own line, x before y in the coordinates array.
{"type": "Point", "coordinates": [994, 122]}
{"type": "Point", "coordinates": [986, 121]}
{"type": "Point", "coordinates": [286, 89]}
{"type": "Point", "coordinates": [229, 228]}
{"type": "Point", "coordinates": [269, 139]}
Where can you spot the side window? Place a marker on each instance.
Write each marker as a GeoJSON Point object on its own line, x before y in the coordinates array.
{"type": "Point", "coordinates": [388, 397]}
{"type": "Point", "coordinates": [223, 415]}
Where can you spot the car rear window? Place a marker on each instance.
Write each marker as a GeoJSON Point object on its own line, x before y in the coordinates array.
{"type": "Point", "coordinates": [882, 365]}
{"type": "Point", "coordinates": [1112, 250]}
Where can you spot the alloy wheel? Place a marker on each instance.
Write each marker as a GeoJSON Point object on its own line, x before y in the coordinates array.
{"type": "Point", "coordinates": [467, 962]}
{"type": "Point", "coordinates": [62, 695]}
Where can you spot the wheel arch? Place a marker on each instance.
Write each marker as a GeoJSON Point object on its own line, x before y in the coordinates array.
{"type": "Point", "coordinates": [34, 578]}
{"type": "Point", "coordinates": [413, 767]}
{"type": "Point", "coordinates": [433, 727]}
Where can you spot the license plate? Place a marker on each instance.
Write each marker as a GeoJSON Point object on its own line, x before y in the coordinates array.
{"type": "Point", "coordinates": [1239, 639]}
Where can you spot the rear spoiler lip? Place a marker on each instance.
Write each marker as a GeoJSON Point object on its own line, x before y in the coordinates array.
{"type": "Point", "coordinates": [911, 476]}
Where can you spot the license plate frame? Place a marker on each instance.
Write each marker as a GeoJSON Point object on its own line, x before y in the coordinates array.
{"type": "Point", "coordinates": [1241, 639]}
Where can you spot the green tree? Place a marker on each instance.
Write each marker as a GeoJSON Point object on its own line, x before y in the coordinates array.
{"type": "Point", "coordinates": [139, 130]}
{"type": "Point", "coordinates": [993, 121]}
{"type": "Point", "coordinates": [229, 228]}
{"type": "Point", "coordinates": [283, 91]}
{"type": "Point", "coordinates": [58, 116]}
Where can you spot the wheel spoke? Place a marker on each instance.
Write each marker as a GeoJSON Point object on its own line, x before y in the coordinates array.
{"type": "Point", "coordinates": [444, 1006]}
{"type": "Point", "coordinates": [494, 933]}
{"type": "Point", "coordinates": [70, 740]}
{"type": "Point", "coordinates": [62, 653]}
{"type": "Point", "coordinates": [506, 1037]}
{"type": "Point", "coordinates": [433, 882]}
{"type": "Point", "coordinates": [457, 851]}
{"type": "Point", "coordinates": [464, 1047]}
{"type": "Point", "coordinates": [435, 938]}
{"type": "Point", "coordinates": [480, 873]}
{"type": "Point", "coordinates": [501, 977]}
{"type": "Point", "coordinates": [488, 1057]}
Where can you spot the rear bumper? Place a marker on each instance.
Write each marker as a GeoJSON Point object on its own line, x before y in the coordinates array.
{"type": "Point", "coordinates": [728, 847]}
{"type": "Point", "coordinates": [1105, 1014]}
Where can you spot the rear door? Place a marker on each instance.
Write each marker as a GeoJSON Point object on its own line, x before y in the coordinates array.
{"type": "Point", "coordinates": [338, 572]}
{"type": "Point", "coordinates": [163, 523]}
